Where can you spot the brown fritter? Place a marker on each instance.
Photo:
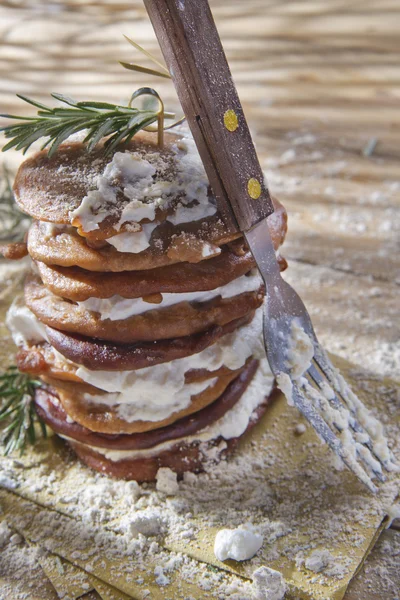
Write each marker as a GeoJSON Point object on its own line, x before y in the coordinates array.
{"type": "Point", "coordinates": [180, 458]}
{"type": "Point", "coordinates": [82, 402]}
{"type": "Point", "coordinates": [14, 250]}
{"type": "Point", "coordinates": [41, 360]}
{"type": "Point", "coordinates": [178, 320]}
{"type": "Point", "coordinates": [107, 356]}
{"type": "Point", "coordinates": [48, 189]}
{"type": "Point", "coordinates": [78, 284]}
{"type": "Point", "coordinates": [53, 414]}
{"type": "Point", "coordinates": [68, 248]}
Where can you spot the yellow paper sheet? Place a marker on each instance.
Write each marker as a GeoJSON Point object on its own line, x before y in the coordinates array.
{"type": "Point", "coordinates": [297, 467]}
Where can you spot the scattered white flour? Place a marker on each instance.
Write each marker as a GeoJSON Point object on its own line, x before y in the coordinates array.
{"type": "Point", "coordinates": [239, 544]}
{"type": "Point", "coordinates": [161, 578]}
{"type": "Point", "coordinates": [319, 560]}
{"type": "Point", "coordinates": [167, 481]}
{"type": "Point", "coordinates": [7, 481]}
{"type": "Point", "coordinates": [268, 584]}
{"type": "Point", "coordinates": [146, 522]}
{"type": "Point", "coordinates": [146, 186]}
{"type": "Point", "coordinates": [5, 533]}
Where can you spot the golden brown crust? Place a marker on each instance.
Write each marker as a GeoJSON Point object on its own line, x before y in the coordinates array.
{"type": "Point", "coordinates": [181, 458]}
{"type": "Point", "coordinates": [107, 356]}
{"type": "Point", "coordinates": [53, 414]}
{"type": "Point", "coordinates": [67, 248]}
{"type": "Point", "coordinates": [178, 320]}
{"type": "Point", "coordinates": [82, 402]}
{"type": "Point", "coordinates": [48, 189]}
{"type": "Point", "coordinates": [78, 284]}
{"type": "Point", "coordinates": [41, 360]}
{"type": "Point", "coordinates": [14, 250]}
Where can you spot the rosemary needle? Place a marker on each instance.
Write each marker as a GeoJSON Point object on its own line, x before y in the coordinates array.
{"type": "Point", "coordinates": [17, 412]}
{"type": "Point", "coordinates": [99, 119]}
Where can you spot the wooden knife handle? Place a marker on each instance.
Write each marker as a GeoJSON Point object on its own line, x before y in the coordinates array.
{"type": "Point", "coordinates": [196, 60]}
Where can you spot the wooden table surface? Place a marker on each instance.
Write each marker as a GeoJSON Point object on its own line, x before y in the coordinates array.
{"type": "Point", "coordinates": [320, 84]}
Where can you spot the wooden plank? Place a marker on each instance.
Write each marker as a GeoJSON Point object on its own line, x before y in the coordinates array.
{"type": "Point", "coordinates": [326, 71]}
{"type": "Point", "coordinates": [379, 579]}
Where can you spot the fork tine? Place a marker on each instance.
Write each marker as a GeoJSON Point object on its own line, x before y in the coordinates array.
{"type": "Point", "coordinates": [325, 432]}
{"type": "Point", "coordinates": [364, 448]}
{"type": "Point", "coordinates": [354, 405]}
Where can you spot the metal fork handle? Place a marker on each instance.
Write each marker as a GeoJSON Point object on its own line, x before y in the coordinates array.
{"type": "Point", "coordinates": [196, 60]}
{"type": "Point", "coordinates": [262, 247]}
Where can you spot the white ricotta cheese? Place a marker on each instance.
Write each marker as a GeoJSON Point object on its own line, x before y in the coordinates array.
{"type": "Point", "coordinates": [301, 351]}
{"type": "Point", "coordinates": [155, 393]}
{"type": "Point", "coordinates": [147, 522]}
{"type": "Point", "coordinates": [239, 544]}
{"type": "Point", "coordinates": [25, 328]}
{"type": "Point", "coordinates": [393, 513]}
{"type": "Point", "coordinates": [143, 185]}
{"type": "Point", "coordinates": [117, 308]}
{"type": "Point", "coordinates": [233, 424]}
{"type": "Point", "coordinates": [133, 242]}
{"type": "Point", "coordinates": [95, 206]}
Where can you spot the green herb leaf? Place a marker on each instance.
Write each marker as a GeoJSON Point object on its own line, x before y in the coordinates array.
{"type": "Point", "coordinates": [17, 411]}
{"type": "Point", "coordinates": [57, 124]}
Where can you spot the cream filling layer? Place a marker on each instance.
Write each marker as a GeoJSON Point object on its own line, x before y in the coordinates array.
{"type": "Point", "coordinates": [23, 325]}
{"type": "Point", "coordinates": [233, 424]}
{"type": "Point", "coordinates": [153, 393]}
{"type": "Point", "coordinates": [156, 393]}
{"type": "Point", "coordinates": [133, 242]}
{"type": "Point", "coordinates": [147, 186]}
{"type": "Point", "coordinates": [118, 308]}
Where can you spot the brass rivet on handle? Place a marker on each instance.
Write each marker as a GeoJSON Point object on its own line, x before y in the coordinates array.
{"type": "Point", "coordinates": [254, 188]}
{"type": "Point", "coordinates": [230, 120]}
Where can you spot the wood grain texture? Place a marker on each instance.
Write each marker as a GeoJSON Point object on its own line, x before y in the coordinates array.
{"type": "Point", "coordinates": [379, 578]}
{"type": "Point", "coordinates": [194, 55]}
{"type": "Point", "coordinates": [319, 81]}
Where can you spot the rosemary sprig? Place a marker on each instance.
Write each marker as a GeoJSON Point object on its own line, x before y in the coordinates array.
{"type": "Point", "coordinates": [135, 67]}
{"type": "Point", "coordinates": [17, 412]}
{"type": "Point", "coordinates": [100, 119]}
{"type": "Point", "coordinates": [12, 220]}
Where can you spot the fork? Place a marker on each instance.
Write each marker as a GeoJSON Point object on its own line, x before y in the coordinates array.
{"type": "Point", "coordinates": [194, 55]}
{"type": "Point", "coordinates": [321, 394]}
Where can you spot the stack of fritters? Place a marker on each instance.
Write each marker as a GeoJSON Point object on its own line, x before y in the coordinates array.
{"type": "Point", "coordinates": [142, 315]}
